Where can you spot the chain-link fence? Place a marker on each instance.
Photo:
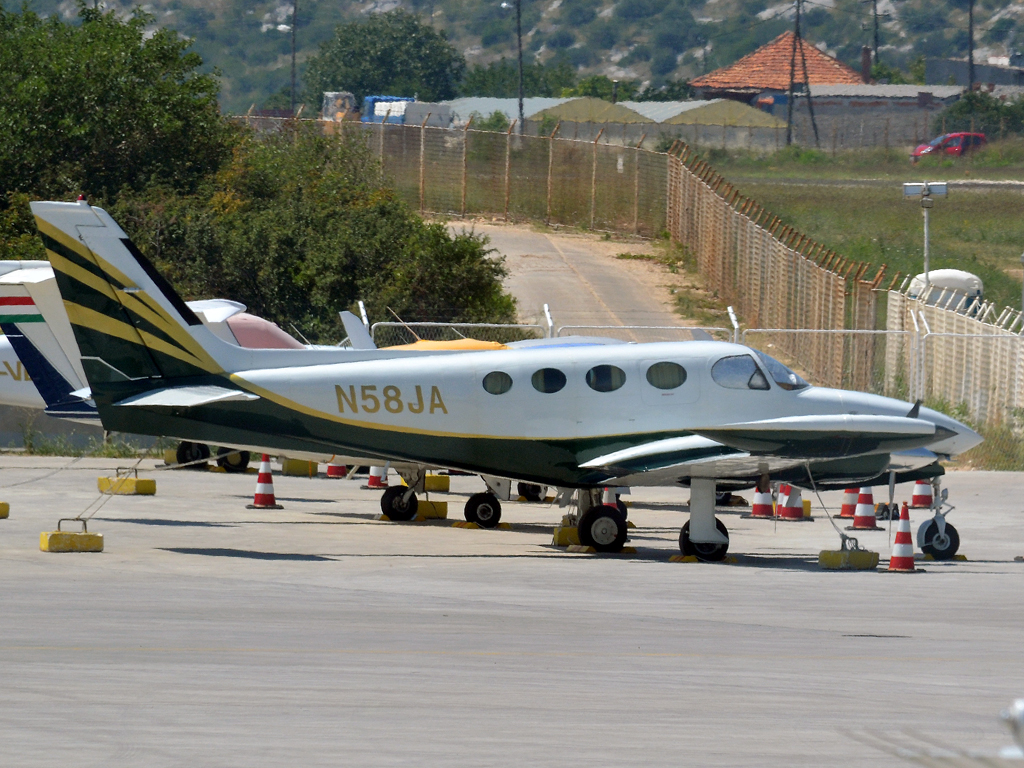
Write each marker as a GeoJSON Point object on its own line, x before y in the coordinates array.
{"type": "Point", "coordinates": [775, 276]}
{"type": "Point", "coordinates": [464, 172]}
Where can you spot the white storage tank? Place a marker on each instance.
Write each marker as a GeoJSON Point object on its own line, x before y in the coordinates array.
{"type": "Point", "coordinates": [949, 287]}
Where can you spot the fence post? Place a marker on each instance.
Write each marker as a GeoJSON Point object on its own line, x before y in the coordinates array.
{"type": "Point", "coordinates": [593, 181]}
{"type": "Point", "coordinates": [465, 163]}
{"type": "Point", "coordinates": [423, 188]}
{"type": "Point", "coordinates": [508, 166]}
{"type": "Point", "coordinates": [636, 184]}
{"type": "Point", "coordinates": [551, 161]}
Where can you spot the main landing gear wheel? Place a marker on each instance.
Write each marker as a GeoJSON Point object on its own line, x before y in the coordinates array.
{"type": "Point", "coordinates": [941, 546]}
{"type": "Point", "coordinates": [189, 452]}
{"type": "Point", "coordinates": [531, 492]}
{"type": "Point", "coordinates": [394, 505]}
{"type": "Point", "coordinates": [709, 553]}
{"type": "Point", "coordinates": [603, 528]}
{"type": "Point", "coordinates": [484, 509]}
{"type": "Point", "coordinates": [231, 460]}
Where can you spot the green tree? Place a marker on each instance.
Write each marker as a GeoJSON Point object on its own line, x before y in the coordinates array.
{"type": "Point", "coordinates": [674, 90]}
{"type": "Point", "coordinates": [496, 121]}
{"type": "Point", "coordinates": [983, 113]}
{"type": "Point", "coordinates": [298, 226]}
{"type": "Point", "coordinates": [387, 54]}
{"type": "Point", "coordinates": [101, 105]}
{"type": "Point", "coordinates": [602, 87]}
{"type": "Point", "coordinates": [501, 79]}
{"type": "Point", "coordinates": [892, 75]}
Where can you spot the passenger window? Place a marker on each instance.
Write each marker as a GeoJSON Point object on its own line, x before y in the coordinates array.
{"type": "Point", "coordinates": [548, 380]}
{"type": "Point", "coordinates": [666, 375]}
{"type": "Point", "coordinates": [497, 382]}
{"type": "Point", "coordinates": [739, 372]}
{"type": "Point", "coordinates": [605, 378]}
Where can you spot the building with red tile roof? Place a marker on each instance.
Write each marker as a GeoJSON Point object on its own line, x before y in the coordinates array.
{"type": "Point", "coordinates": [767, 69]}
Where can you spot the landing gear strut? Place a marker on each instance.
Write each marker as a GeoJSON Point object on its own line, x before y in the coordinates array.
{"type": "Point", "coordinates": [704, 536]}
{"type": "Point", "coordinates": [936, 537]}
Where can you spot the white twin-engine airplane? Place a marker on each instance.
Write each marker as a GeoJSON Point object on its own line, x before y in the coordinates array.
{"type": "Point", "coordinates": [702, 414]}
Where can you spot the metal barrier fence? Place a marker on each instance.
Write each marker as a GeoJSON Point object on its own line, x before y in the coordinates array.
{"type": "Point", "coordinates": [954, 358]}
{"type": "Point", "coordinates": [393, 334]}
{"type": "Point", "coordinates": [648, 333]}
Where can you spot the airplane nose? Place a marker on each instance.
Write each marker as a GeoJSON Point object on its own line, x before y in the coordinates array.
{"type": "Point", "coordinates": [961, 439]}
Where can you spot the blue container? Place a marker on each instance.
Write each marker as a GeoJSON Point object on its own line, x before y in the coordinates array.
{"type": "Point", "coordinates": [376, 107]}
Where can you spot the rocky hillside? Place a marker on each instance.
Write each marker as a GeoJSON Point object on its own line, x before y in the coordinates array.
{"type": "Point", "coordinates": [249, 41]}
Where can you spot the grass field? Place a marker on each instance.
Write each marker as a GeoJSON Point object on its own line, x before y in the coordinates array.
{"type": "Point", "coordinates": [998, 160]}
{"type": "Point", "coordinates": [980, 230]}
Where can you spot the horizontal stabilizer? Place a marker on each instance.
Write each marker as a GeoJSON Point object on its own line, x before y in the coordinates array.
{"type": "Point", "coordinates": [826, 436]}
{"type": "Point", "coordinates": [187, 397]}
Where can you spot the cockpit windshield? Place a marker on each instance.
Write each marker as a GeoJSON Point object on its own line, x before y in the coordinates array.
{"type": "Point", "coordinates": [782, 375]}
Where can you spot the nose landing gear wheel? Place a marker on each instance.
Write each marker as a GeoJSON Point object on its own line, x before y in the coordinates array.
{"type": "Point", "coordinates": [531, 492]}
{"type": "Point", "coordinates": [231, 460]}
{"type": "Point", "coordinates": [188, 452]}
{"type": "Point", "coordinates": [603, 528]}
{"type": "Point", "coordinates": [484, 509]}
{"type": "Point", "coordinates": [941, 546]}
{"type": "Point", "coordinates": [709, 553]}
{"type": "Point", "coordinates": [394, 505]}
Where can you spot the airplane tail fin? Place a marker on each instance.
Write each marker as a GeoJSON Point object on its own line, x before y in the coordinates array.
{"type": "Point", "coordinates": [133, 330]}
{"type": "Point", "coordinates": [63, 399]}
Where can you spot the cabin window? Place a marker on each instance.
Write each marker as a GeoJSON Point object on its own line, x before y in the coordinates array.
{"type": "Point", "coordinates": [605, 378]}
{"type": "Point", "coordinates": [666, 375]}
{"type": "Point", "coordinates": [739, 372]}
{"type": "Point", "coordinates": [548, 380]}
{"type": "Point", "coordinates": [497, 382]}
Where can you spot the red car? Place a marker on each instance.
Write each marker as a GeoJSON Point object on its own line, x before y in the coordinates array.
{"type": "Point", "coordinates": [954, 144]}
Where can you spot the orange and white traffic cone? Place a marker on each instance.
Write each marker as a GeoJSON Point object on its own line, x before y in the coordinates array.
{"type": "Point", "coordinates": [264, 488]}
{"type": "Point", "coordinates": [793, 509]}
{"type": "Point", "coordinates": [903, 549]}
{"type": "Point", "coordinates": [336, 468]}
{"type": "Point", "coordinates": [762, 505]}
{"type": "Point", "coordinates": [378, 478]}
{"type": "Point", "coordinates": [849, 503]}
{"type": "Point", "coordinates": [864, 515]}
{"type": "Point", "coordinates": [922, 498]}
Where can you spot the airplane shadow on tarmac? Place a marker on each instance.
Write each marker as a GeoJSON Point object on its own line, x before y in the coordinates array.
{"type": "Point", "coordinates": [246, 553]}
{"type": "Point", "coordinates": [163, 521]}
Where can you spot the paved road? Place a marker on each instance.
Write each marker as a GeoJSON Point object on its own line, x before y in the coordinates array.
{"type": "Point", "coordinates": [580, 279]}
{"type": "Point", "coordinates": [212, 635]}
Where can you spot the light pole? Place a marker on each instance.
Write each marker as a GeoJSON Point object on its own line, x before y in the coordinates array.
{"type": "Point", "coordinates": [1022, 285]}
{"type": "Point", "coordinates": [519, 43]}
{"type": "Point", "coordinates": [926, 191]}
{"type": "Point", "coordinates": [519, 47]}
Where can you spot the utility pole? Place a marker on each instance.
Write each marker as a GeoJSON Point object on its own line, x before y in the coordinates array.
{"type": "Point", "coordinates": [295, 13]}
{"type": "Point", "coordinates": [519, 40]}
{"type": "Point", "coordinates": [970, 46]}
{"type": "Point", "coordinates": [874, 13]}
{"type": "Point", "coordinates": [798, 44]}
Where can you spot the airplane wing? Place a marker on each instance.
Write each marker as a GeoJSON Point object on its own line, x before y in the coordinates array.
{"type": "Point", "coordinates": [666, 461]}
{"type": "Point", "coordinates": [825, 436]}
